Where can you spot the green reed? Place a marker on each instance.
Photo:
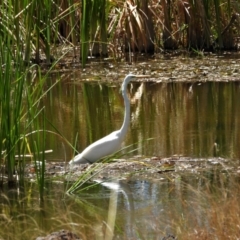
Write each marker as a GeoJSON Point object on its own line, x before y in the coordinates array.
{"type": "Point", "coordinates": [25, 29]}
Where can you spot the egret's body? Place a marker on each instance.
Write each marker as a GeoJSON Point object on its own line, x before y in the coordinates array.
{"type": "Point", "coordinates": [112, 142]}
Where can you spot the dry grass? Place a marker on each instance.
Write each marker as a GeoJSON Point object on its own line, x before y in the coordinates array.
{"type": "Point", "coordinates": [223, 221]}
{"type": "Point", "coordinates": [214, 214]}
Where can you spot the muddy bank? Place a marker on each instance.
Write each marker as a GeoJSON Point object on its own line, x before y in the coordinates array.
{"type": "Point", "coordinates": [137, 168]}
{"type": "Point", "coordinates": [162, 68]}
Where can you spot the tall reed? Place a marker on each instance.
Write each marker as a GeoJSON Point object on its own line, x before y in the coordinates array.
{"type": "Point", "coordinates": [19, 92]}
{"type": "Point", "coordinates": [130, 25]}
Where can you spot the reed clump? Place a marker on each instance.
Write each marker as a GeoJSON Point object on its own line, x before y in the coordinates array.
{"type": "Point", "coordinates": [116, 28]}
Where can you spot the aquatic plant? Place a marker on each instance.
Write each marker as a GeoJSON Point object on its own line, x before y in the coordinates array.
{"type": "Point", "coordinates": [100, 28]}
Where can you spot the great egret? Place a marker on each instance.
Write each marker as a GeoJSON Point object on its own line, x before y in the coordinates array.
{"type": "Point", "coordinates": [112, 142]}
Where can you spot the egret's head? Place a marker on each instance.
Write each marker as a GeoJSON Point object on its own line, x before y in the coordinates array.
{"type": "Point", "coordinates": [130, 77]}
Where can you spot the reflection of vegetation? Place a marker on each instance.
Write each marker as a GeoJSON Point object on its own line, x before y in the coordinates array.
{"type": "Point", "coordinates": [190, 119]}
{"type": "Point", "coordinates": [189, 206]}
{"type": "Point", "coordinates": [24, 217]}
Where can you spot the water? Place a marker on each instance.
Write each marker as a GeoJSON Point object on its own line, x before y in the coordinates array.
{"type": "Point", "coordinates": [138, 209]}
{"type": "Point", "coordinates": [188, 119]}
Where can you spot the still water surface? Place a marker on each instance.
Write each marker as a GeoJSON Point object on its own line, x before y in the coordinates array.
{"type": "Point", "coordinates": [193, 120]}
{"type": "Point", "coordinates": [138, 209]}
{"type": "Point", "coordinates": [189, 119]}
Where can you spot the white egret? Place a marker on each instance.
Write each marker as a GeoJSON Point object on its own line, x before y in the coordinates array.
{"type": "Point", "coordinates": [112, 142]}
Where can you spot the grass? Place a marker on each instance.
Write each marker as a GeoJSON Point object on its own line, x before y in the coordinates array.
{"type": "Point", "coordinates": [100, 165]}
{"type": "Point", "coordinates": [90, 173]}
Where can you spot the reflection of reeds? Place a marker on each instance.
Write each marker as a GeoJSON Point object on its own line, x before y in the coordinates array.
{"type": "Point", "coordinates": [191, 119]}
{"type": "Point", "coordinates": [188, 206]}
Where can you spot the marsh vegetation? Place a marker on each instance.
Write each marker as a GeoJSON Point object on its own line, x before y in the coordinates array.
{"type": "Point", "coordinates": [59, 91]}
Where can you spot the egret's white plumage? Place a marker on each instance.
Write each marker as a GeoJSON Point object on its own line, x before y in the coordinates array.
{"type": "Point", "coordinates": [112, 142]}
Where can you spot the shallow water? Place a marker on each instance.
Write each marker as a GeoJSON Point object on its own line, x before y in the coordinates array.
{"type": "Point", "coordinates": [137, 209]}
{"type": "Point", "coordinates": [188, 119]}
{"type": "Point", "coordinates": [199, 119]}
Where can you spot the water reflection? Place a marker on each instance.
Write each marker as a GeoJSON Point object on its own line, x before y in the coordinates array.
{"type": "Point", "coordinates": [190, 119]}
{"type": "Point", "coordinates": [124, 210]}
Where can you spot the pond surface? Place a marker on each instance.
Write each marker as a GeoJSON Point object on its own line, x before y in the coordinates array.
{"type": "Point", "coordinates": [187, 119]}
{"type": "Point", "coordinates": [186, 205]}
{"type": "Point", "coordinates": [194, 120]}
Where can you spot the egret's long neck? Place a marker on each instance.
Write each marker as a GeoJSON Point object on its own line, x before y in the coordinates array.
{"type": "Point", "coordinates": [126, 121]}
